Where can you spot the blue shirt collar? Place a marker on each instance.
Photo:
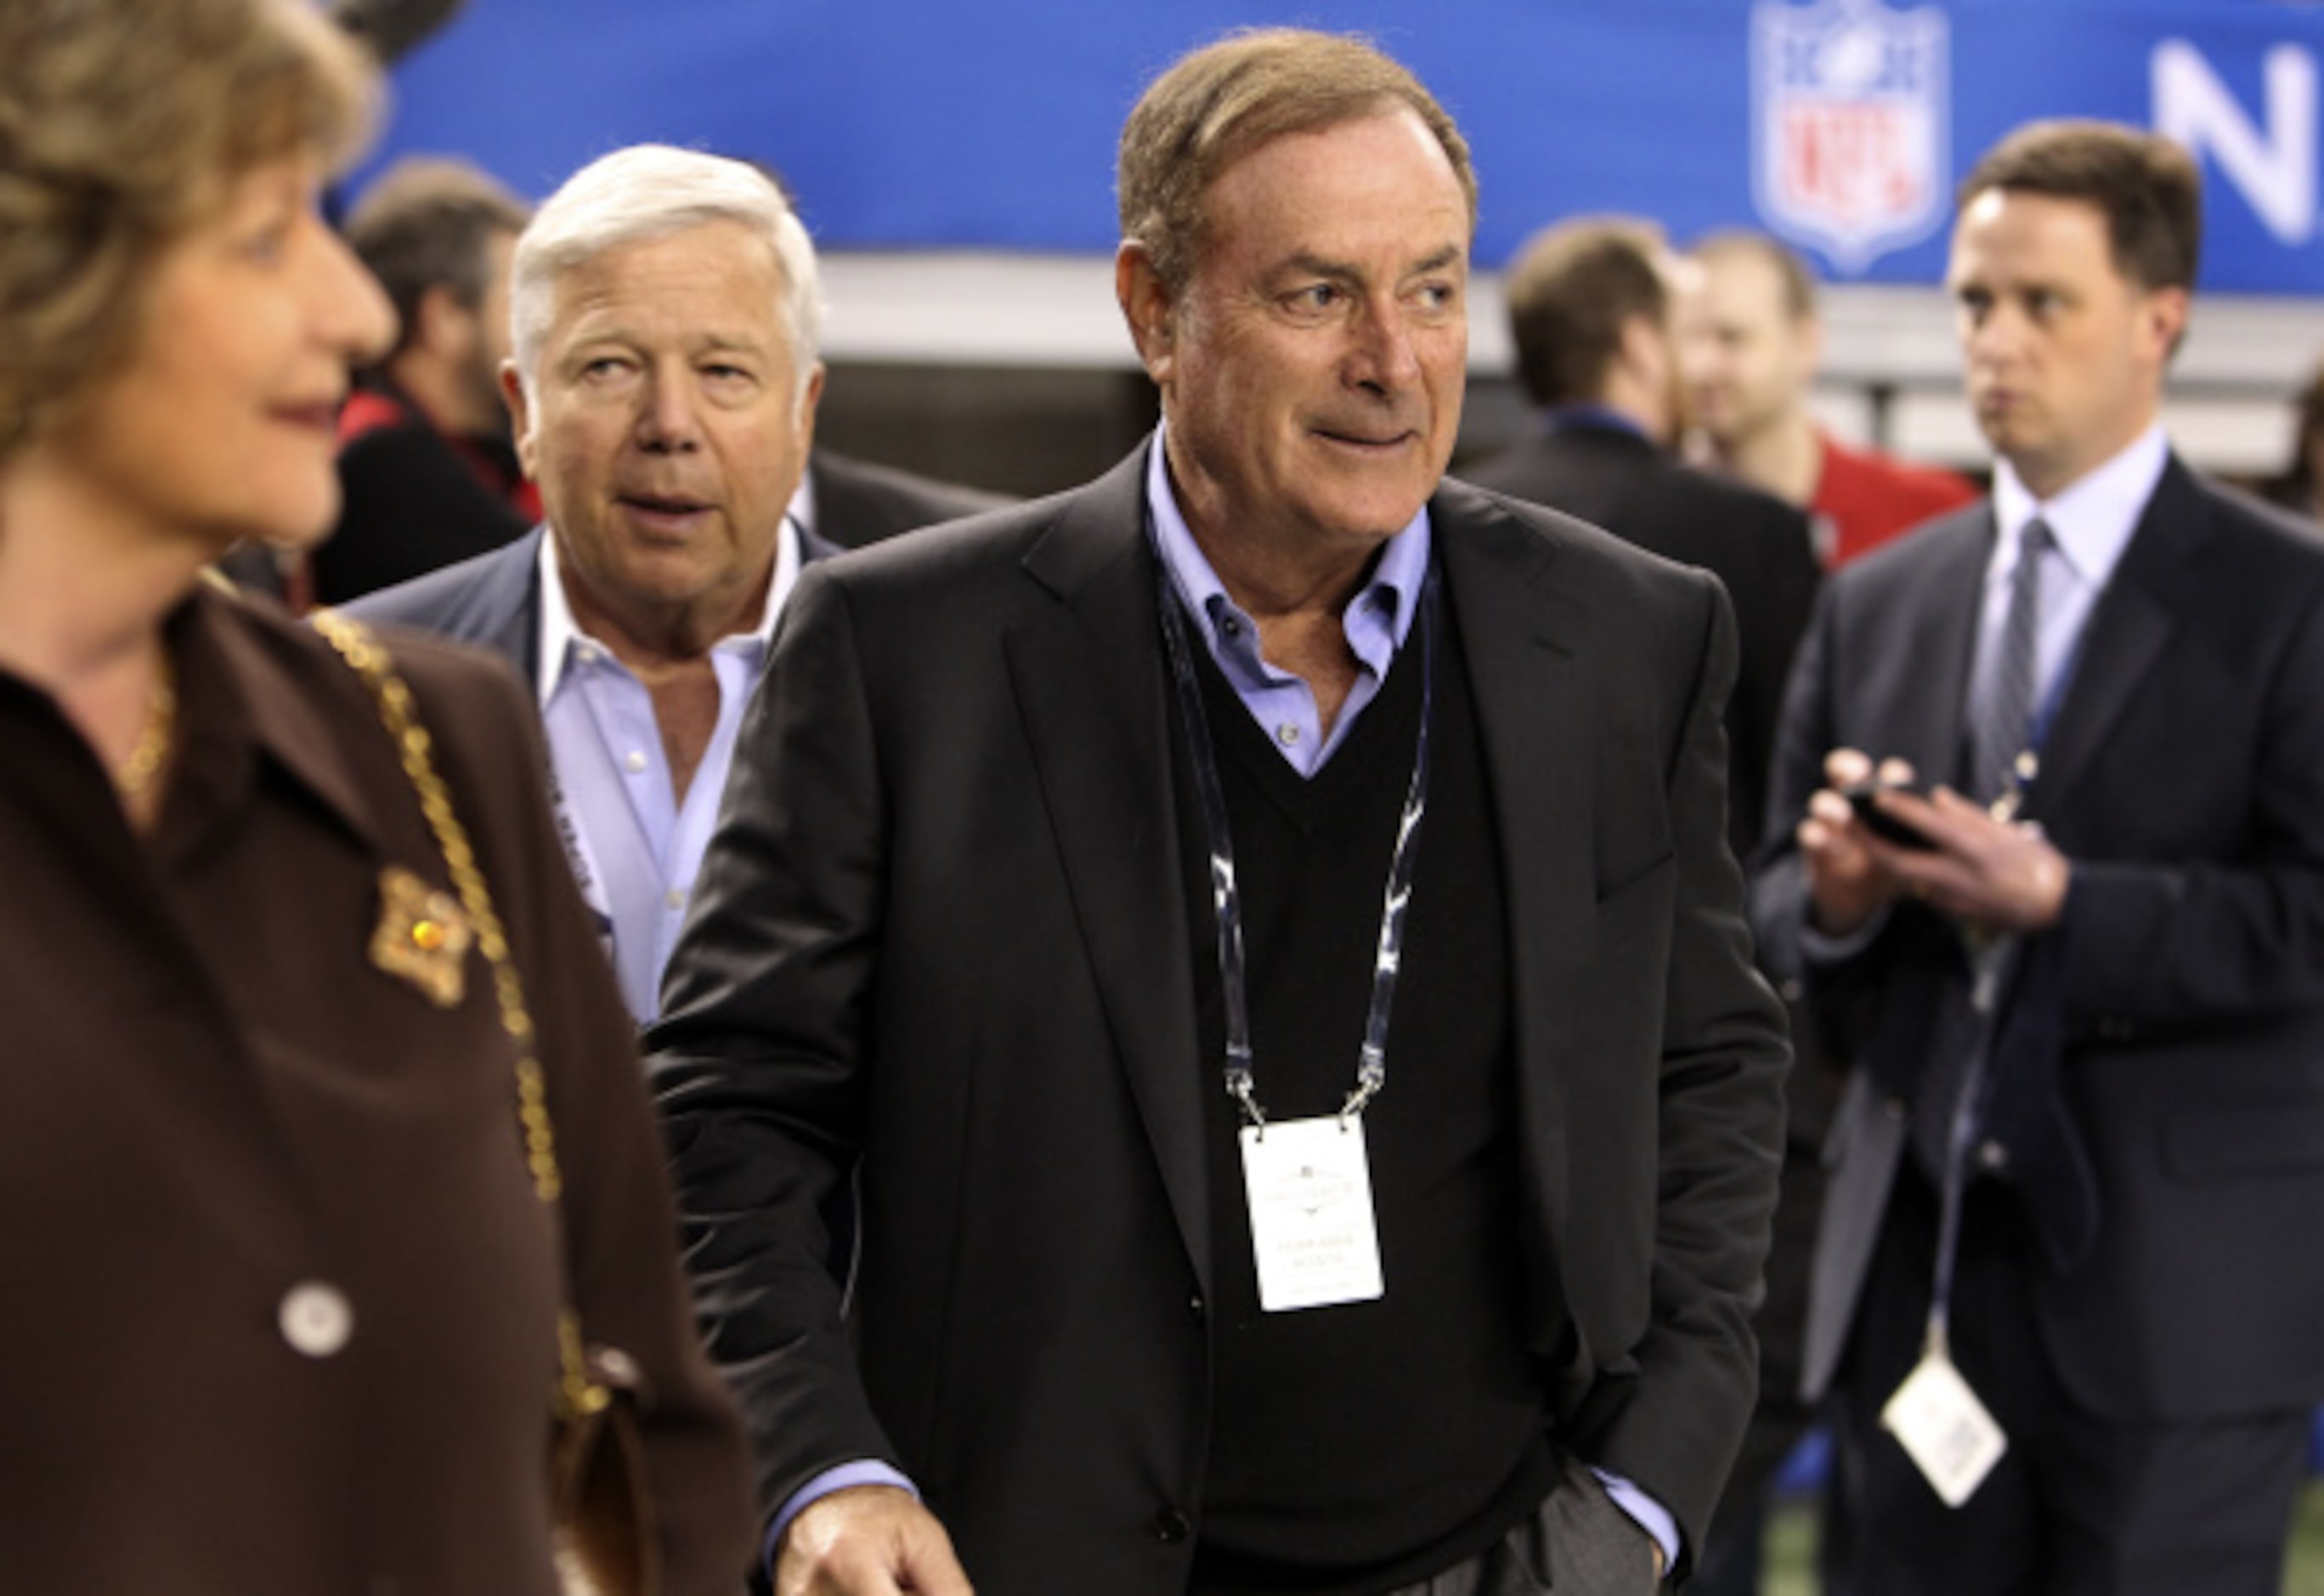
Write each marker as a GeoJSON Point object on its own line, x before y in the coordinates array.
{"type": "Point", "coordinates": [1378, 617]}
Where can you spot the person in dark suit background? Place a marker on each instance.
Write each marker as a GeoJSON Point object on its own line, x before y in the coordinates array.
{"type": "Point", "coordinates": [2090, 1021]}
{"type": "Point", "coordinates": [666, 310]}
{"type": "Point", "coordinates": [1591, 305]}
{"type": "Point", "coordinates": [851, 503]}
{"type": "Point", "coordinates": [957, 939]}
{"type": "Point", "coordinates": [1589, 308]}
{"type": "Point", "coordinates": [427, 474]}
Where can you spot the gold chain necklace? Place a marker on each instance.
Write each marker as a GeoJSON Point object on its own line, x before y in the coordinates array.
{"type": "Point", "coordinates": [136, 774]}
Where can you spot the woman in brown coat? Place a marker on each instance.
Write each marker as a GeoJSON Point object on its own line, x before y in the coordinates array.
{"type": "Point", "coordinates": [280, 1289]}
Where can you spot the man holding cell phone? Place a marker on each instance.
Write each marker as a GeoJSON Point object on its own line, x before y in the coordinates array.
{"type": "Point", "coordinates": [2048, 844]}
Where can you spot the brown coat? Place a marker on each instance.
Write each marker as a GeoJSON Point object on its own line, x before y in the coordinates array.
{"type": "Point", "coordinates": [212, 1102]}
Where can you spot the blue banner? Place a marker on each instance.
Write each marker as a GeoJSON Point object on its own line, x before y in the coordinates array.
{"type": "Point", "coordinates": [1840, 124]}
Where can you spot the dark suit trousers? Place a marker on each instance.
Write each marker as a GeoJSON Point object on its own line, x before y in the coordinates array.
{"type": "Point", "coordinates": [2081, 1504]}
{"type": "Point", "coordinates": [1577, 1542]}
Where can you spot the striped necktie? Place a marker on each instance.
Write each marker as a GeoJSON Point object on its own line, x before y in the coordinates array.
{"type": "Point", "coordinates": [2002, 715]}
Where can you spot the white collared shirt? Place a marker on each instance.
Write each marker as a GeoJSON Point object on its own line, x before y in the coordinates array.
{"type": "Point", "coordinates": [2090, 524]}
{"type": "Point", "coordinates": [636, 849]}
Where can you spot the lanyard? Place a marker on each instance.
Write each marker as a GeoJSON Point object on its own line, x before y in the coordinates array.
{"type": "Point", "coordinates": [1991, 962]}
{"type": "Point", "coordinates": [1226, 897]}
{"type": "Point", "coordinates": [577, 851]}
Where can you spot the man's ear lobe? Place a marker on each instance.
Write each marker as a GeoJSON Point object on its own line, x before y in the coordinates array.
{"type": "Point", "coordinates": [1147, 306]}
{"type": "Point", "coordinates": [521, 416]}
{"type": "Point", "coordinates": [2167, 311]}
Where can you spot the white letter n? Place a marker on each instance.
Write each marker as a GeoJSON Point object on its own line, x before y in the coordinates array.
{"type": "Point", "coordinates": [2276, 174]}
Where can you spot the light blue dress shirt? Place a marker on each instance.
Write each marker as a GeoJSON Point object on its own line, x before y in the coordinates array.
{"type": "Point", "coordinates": [2090, 524]}
{"type": "Point", "coordinates": [1377, 621]}
{"type": "Point", "coordinates": [634, 847]}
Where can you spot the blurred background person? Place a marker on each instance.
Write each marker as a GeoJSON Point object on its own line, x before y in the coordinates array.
{"type": "Point", "coordinates": [1750, 342]}
{"type": "Point", "coordinates": [668, 314]}
{"type": "Point", "coordinates": [1589, 308]}
{"type": "Point", "coordinates": [282, 1293]}
{"type": "Point", "coordinates": [852, 501]}
{"type": "Point", "coordinates": [428, 474]}
{"type": "Point", "coordinates": [2301, 486]}
{"type": "Point", "coordinates": [1591, 305]}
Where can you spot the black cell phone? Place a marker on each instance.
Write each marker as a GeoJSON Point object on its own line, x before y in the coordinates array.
{"type": "Point", "coordinates": [1877, 820]}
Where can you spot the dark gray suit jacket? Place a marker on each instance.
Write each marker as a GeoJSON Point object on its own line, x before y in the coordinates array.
{"type": "Point", "coordinates": [2159, 1090]}
{"type": "Point", "coordinates": [943, 930]}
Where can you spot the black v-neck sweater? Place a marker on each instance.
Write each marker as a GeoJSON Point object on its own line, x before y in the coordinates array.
{"type": "Point", "coordinates": [1356, 1447]}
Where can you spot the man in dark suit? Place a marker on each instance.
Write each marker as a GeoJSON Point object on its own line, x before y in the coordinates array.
{"type": "Point", "coordinates": [665, 308]}
{"type": "Point", "coordinates": [1589, 311]}
{"type": "Point", "coordinates": [2088, 1020]}
{"type": "Point", "coordinates": [1592, 311]}
{"type": "Point", "coordinates": [851, 501]}
{"type": "Point", "coordinates": [1294, 1151]}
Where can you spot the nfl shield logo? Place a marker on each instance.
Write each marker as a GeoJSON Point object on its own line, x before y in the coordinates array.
{"type": "Point", "coordinates": [1850, 134]}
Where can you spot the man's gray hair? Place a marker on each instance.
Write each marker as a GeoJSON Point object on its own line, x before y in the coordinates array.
{"type": "Point", "coordinates": [646, 192]}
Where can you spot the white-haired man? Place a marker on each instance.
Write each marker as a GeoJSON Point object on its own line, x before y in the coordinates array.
{"type": "Point", "coordinates": [666, 310]}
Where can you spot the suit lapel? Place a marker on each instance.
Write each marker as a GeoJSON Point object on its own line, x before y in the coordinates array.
{"type": "Point", "coordinates": [2125, 635]}
{"type": "Point", "coordinates": [1922, 718]}
{"type": "Point", "coordinates": [1087, 669]}
{"type": "Point", "coordinates": [1521, 628]}
{"type": "Point", "coordinates": [508, 605]}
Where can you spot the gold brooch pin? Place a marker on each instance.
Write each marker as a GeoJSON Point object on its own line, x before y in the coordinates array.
{"type": "Point", "coordinates": [423, 936]}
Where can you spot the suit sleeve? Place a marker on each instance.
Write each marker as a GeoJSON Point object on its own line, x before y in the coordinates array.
{"type": "Point", "coordinates": [1719, 1139]}
{"type": "Point", "coordinates": [1844, 1005]}
{"type": "Point", "coordinates": [759, 1064]}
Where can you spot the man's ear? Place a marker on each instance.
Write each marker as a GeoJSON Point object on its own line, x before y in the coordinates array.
{"type": "Point", "coordinates": [1148, 306]}
{"type": "Point", "coordinates": [520, 418]}
{"type": "Point", "coordinates": [441, 325]}
{"type": "Point", "coordinates": [1645, 350]}
{"type": "Point", "coordinates": [809, 398]}
{"type": "Point", "coordinates": [1809, 329]}
{"type": "Point", "coordinates": [2165, 320]}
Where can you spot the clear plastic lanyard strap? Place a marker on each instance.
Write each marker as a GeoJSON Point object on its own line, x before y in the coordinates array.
{"type": "Point", "coordinates": [1226, 899]}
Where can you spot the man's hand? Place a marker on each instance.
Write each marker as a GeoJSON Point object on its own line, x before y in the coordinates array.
{"type": "Point", "coordinates": [867, 1540]}
{"type": "Point", "coordinates": [1847, 883]}
{"type": "Point", "coordinates": [1996, 875]}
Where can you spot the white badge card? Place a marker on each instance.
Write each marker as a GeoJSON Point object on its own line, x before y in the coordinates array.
{"type": "Point", "coordinates": [1310, 1186]}
{"type": "Point", "coordinates": [1945, 1430]}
